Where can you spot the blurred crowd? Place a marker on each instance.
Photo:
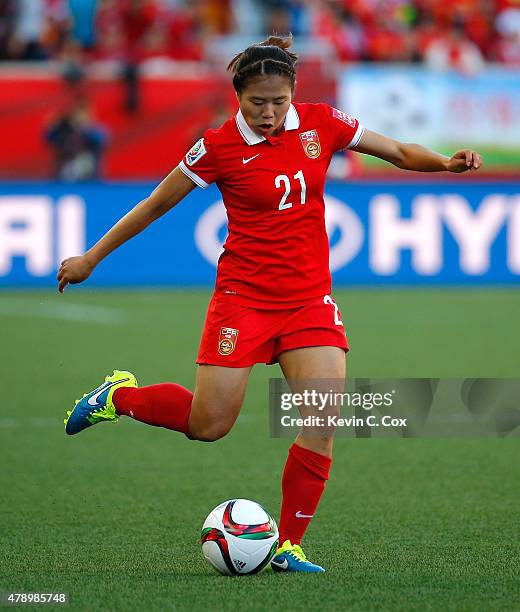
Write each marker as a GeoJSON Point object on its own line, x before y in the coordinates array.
{"type": "Point", "coordinates": [461, 34]}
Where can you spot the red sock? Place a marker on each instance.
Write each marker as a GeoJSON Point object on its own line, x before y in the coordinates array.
{"type": "Point", "coordinates": [303, 482]}
{"type": "Point", "coordinates": [165, 405]}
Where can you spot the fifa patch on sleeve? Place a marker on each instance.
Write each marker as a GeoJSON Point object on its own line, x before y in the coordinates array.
{"type": "Point", "coordinates": [344, 117]}
{"type": "Point", "coordinates": [196, 152]}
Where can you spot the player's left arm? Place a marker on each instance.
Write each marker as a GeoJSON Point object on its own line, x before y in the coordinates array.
{"type": "Point", "coordinates": [409, 156]}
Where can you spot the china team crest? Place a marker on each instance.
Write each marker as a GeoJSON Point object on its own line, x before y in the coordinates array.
{"type": "Point", "coordinates": [311, 143]}
{"type": "Point", "coordinates": [227, 340]}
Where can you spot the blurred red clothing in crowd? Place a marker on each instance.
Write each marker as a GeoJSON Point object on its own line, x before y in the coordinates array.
{"type": "Point", "coordinates": [403, 30]}
{"type": "Point", "coordinates": [135, 30]}
{"type": "Point", "coordinates": [131, 31]}
{"type": "Point", "coordinates": [122, 28]}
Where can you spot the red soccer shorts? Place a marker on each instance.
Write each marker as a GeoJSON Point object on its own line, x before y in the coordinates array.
{"type": "Point", "coordinates": [239, 336]}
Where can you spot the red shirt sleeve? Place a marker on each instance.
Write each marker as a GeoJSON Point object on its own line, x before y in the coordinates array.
{"type": "Point", "coordinates": [346, 131]}
{"type": "Point", "coordinates": [200, 163]}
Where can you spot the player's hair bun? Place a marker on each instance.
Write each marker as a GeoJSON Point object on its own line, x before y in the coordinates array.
{"type": "Point", "coordinates": [284, 42]}
{"type": "Point", "coordinates": [271, 56]}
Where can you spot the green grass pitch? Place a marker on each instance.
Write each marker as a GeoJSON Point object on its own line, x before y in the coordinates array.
{"type": "Point", "coordinates": [112, 516]}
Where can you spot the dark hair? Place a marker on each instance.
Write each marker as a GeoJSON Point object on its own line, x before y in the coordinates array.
{"type": "Point", "coordinates": [268, 57]}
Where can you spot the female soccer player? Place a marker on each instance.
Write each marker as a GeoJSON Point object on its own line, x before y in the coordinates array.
{"type": "Point", "coordinates": [272, 298]}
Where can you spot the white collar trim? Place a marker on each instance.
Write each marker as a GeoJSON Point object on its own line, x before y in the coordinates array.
{"type": "Point", "coordinates": [292, 122]}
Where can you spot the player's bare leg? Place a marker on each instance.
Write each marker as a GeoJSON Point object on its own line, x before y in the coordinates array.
{"type": "Point", "coordinates": [327, 363]}
{"type": "Point", "coordinates": [310, 457]}
{"type": "Point", "coordinates": [207, 414]}
{"type": "Point", "coordinates": [217, 400]}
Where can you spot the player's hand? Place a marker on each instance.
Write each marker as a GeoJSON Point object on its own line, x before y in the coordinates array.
{"type": "Point", "coordinates": [464, 160]}
{"type": "Point", "coordinates": [73, 270]}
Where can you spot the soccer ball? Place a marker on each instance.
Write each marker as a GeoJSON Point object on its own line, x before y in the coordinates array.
{"type": "Point", "coordinates": [239, 537]}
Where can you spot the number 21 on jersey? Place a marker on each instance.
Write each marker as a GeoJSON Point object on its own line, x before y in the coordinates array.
{"type": "Point", "coordinates": [282, 180]}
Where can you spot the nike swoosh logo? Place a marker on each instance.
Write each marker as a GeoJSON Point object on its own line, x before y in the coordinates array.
{"type": "Point", "coordinates": [283, 565]}
{"type": "Point", "coordinates": [246, 161]}
{"type": "Point", "coordinates": [92, 401]}
{"type": "Point", "coordinates": [300, 515]}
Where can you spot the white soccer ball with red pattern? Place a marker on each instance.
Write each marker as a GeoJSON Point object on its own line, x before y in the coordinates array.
{"type": "Point", "coordinates": [239, 537]}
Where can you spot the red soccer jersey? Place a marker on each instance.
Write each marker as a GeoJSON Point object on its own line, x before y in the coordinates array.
{"type": "Point", "coordinates": [277, 252]}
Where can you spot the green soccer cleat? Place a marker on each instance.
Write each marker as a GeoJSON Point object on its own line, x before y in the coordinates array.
{"type": "Point", "coordinates": [97, 406]}
{"type": "Point", "coordinates": [291, 558]}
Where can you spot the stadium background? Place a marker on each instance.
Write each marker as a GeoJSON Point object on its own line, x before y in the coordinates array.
{"type": "Point", "coordinates": [98, 101]}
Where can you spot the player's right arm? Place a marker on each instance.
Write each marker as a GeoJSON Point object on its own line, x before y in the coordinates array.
{"type": "Point", "coordinates": [164, 197]}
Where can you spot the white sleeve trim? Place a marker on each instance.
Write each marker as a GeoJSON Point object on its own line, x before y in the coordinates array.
{"type": "Point", "coordinates": [194, 177]}
{"type": "Point", "coordinates": [357, 137]}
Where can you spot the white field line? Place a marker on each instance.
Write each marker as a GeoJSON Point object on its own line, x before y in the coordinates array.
{"type": "Point", "coordinates": [83, 313]}
{"type": "Point", "coordinates": [31, 423]}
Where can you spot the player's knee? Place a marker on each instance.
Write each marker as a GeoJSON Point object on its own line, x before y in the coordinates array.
{"type": "Point", "coordinates": [209, 423]}
{"type": "Point", "coordinates": [211, 432]}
